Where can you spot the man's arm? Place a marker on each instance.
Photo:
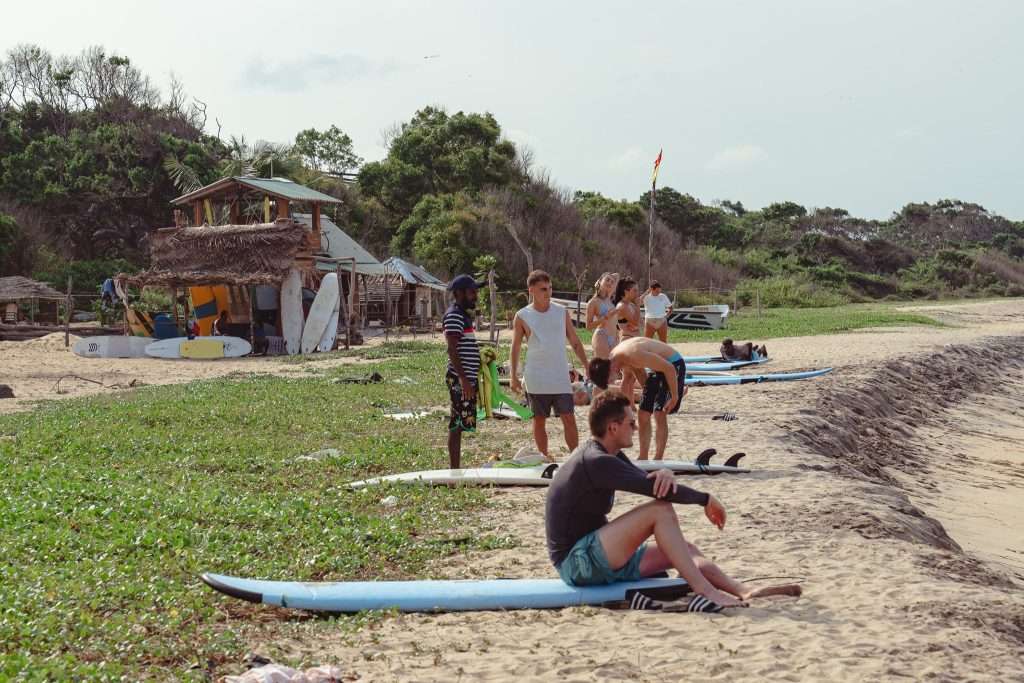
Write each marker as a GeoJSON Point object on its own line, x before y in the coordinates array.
{"type": "Point", "coordinates": [613, 473]}
{"type": "Point", "coordinates": [518, 332]}
{"type": "Point", "coordinates": [574, 341]}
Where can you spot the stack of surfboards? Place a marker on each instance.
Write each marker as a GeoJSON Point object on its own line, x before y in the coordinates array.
{"type": "Point", "coordinates": [318, 331]}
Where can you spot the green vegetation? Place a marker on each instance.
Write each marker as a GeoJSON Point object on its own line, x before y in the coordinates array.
{"type": "Point", "coordinates": [113, 507]}
{"type": "Point", "coordinates": [797, 322]}
{"type": "Point", "coordinates": [91, 152]}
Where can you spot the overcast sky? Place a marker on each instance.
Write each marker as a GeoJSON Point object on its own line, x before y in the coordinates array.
{"type": "Point", "coordinates": [859, 104]}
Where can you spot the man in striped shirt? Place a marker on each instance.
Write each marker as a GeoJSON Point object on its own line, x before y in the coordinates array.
{"type": "Point", "coordinates": [463, 363]}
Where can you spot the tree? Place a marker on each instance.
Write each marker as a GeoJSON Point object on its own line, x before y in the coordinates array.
{"type": "Point", "coordinates": [437, 153]}
{"type": "Point", "coordinates": [328, 152]}
{"type": "Point", "coordinates": [440, 233]}
{"type": "Point", "coordinates": [782, 211]}
{"type": "Point", "coordinates": [623, 213]}
{"type": "Point", "coordinates": [685, 215]}
{"type": "Point", "coordinates": [10, 240]}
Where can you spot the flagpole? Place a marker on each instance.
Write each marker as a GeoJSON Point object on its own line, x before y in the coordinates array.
{"type": "Point", "coordinates": [650, 238]}
{"type": "Point", "coordinates": [650, 221]}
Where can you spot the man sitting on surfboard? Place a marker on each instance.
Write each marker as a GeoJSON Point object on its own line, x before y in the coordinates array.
{"type": "Point", "coordinates": [589, 550]}
{"type": "Point", "coordinates": [661, 371]}
{"type": "Point", "coordinates": [547, 327]}
{"type": "Point", "coordinates": [463, 363]}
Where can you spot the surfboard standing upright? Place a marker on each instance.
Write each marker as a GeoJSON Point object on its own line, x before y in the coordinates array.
{"type": "Point", "coordinates": [320, 313]}
{"type": "Point", "coordinates": [291, 311]}
{"type": "Point", "coordinates": [331, 333]}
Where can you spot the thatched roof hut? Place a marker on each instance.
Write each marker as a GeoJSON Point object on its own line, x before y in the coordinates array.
{"type": "Point", "coordinates": [18, 288]}
{"type": "Point", "coordinates": [258, 254]}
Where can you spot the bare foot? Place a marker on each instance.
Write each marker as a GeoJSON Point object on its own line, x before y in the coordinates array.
{"type": "Point", "coordinates": [791, 589]}
{"type": "Point", "coordinates": [724, 599]}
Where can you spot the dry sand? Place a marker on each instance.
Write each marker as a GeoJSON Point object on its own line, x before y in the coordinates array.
{"type": "Point", "coordinates": [911, 563]}
{"type": "Point", "coordinates": [888, 594]}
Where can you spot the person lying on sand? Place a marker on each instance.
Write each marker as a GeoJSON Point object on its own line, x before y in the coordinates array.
{"type": "Point", "coordinates": [662, 373]}
{"type": "Point", "coordinates": [747, 351]}
{"type": "Point", "coordinates": [588, 550]}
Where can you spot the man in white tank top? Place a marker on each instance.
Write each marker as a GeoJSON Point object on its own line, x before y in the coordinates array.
{"type": "Point", "coordinates": [547, 327]}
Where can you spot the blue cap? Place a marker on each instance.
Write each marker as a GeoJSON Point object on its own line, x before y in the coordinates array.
{"type": "Point", "coordinates": [464, 282]}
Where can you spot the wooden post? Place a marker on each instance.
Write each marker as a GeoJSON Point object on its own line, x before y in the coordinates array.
{"type": "Point", "coordinates": [492, 292]}
{"type": "Point", "coordinates": [174, 308]}
{"type": "Point", "coordinates": [342, 308]}
{"type": "Point", "coordinates": [757, 294]}
{"type": "Point", "coordinates": [314, 238]}
{"type": "Point", "coordinates": [197, 213]}
{"type": "Point", "coordinates": [252, 317]}
{"type": "Point", "coordinates": [67, 316]}
{"type": "Point", "coordinates": [387, 303]}
{"type": "Point", "coordinates": [282, 208]}
{"type": "Point", "coordinates": [351, 303]}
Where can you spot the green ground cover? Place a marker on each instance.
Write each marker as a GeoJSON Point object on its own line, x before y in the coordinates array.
{"type": "Point", "coordinates": [112, 508]}
{"type": "Point", "coordinates": [798, 322]}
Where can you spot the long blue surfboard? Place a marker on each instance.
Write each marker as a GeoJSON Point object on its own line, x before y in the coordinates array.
{"type": "Point", "coordinates": [711, 380]}
{"type": "Point", "coordinates": [437, 596]}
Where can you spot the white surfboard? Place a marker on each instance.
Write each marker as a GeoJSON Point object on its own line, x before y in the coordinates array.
{"type": "Point", "coordinates": [539, 475]}
{"type": "Point", "coordinates": [199, 348]}
{"type": "Point", "coordinates": [291, 311]}
{"type": "Point", "coordinates": [112, 347]}
{"type": "Point", "coordinates": [320, 313]}
{"type": "Point", "coordinates": [331, 332]}
{"type": "Point", "coordinates": [683, 467]}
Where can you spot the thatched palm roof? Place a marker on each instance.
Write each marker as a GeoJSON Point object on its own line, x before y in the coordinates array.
{"type": "Point", "coordinates": [18, 288]}
{"type": "Point", "coordinates": [222, 254]}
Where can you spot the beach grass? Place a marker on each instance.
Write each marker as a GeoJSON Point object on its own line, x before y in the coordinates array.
{"type": "Point", "coordinates": [114, 506]}
{"type": "Point", "coordinates": [798, 322]}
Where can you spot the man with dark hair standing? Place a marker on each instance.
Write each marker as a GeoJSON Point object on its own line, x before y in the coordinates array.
{"type": "Point", "coordinates": [547, 327]}
{"type": "Point", "coordinates": [587, 549]}
{"type": "Point", "coordinates": [463, 371]}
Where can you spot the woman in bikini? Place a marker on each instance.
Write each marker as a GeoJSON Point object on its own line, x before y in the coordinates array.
{"type": "Point", "coordinates": [627, 310]}
{"type": "Point", "coordinates": [627, 315]}
{"type": "Point", "coordinates": [601, 316]}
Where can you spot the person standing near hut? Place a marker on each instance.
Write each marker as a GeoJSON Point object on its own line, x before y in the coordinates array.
{"type": "Point", "coordinates": [547, 327]}
{"type": "Point", "coordinates": [463, 371]}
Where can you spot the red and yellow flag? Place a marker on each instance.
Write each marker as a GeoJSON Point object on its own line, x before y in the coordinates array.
{"type": "Point", "coordinates": [657, 165]}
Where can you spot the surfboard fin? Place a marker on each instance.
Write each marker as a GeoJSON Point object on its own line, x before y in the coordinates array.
{"type": "Point", "coordinates": [734, 459]}
{"type": "Point", "coordinates": [705, 456]}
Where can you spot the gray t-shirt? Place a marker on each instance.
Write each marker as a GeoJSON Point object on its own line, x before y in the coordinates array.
{"type": "Point", "coordinates": [583, 491]}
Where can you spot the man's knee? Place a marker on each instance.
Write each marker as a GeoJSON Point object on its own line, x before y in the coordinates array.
{"type": "Point", "coordinates": [664, 509]}
{"type": "Point", "coordinates": [643, 417]}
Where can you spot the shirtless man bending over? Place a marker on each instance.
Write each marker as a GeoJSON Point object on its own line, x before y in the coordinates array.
{"type": "Point", "coordinates": [663, 385]}
{"type": "Point", "coordinates": [589, 550]}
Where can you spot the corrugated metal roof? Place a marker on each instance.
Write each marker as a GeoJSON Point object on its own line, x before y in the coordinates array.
{"type": "Point", "coordinates": [414, 274]}
{"type": "Point", "coordinates": [278, 187]}
{"type": "Point", "coordinates": [337, 244]}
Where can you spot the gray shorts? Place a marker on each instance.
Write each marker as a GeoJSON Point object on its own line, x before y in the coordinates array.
{"type": "Point", "coordinates": [541, 404]}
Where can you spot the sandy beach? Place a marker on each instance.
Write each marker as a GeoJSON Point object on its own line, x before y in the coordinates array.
{"type": "Point", "coordinates": [898, 582]}
{"type": "Point", "coordinates": [890, 488]}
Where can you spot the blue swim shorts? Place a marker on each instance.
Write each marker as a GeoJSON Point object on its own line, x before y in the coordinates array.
{"type": "Point", "coordinates": [587, 565]}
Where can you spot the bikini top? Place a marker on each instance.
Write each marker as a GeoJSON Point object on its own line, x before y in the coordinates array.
{"type": "Point", "coordinates": [605, 306]}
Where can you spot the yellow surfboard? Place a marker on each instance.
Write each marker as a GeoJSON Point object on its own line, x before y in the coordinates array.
{"type": "Point", "coordinates": [141, 324]}
{"type": "Point", "coordinates": [202, 349]}
{"type": "Point", "coordinates": [207, 303]}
